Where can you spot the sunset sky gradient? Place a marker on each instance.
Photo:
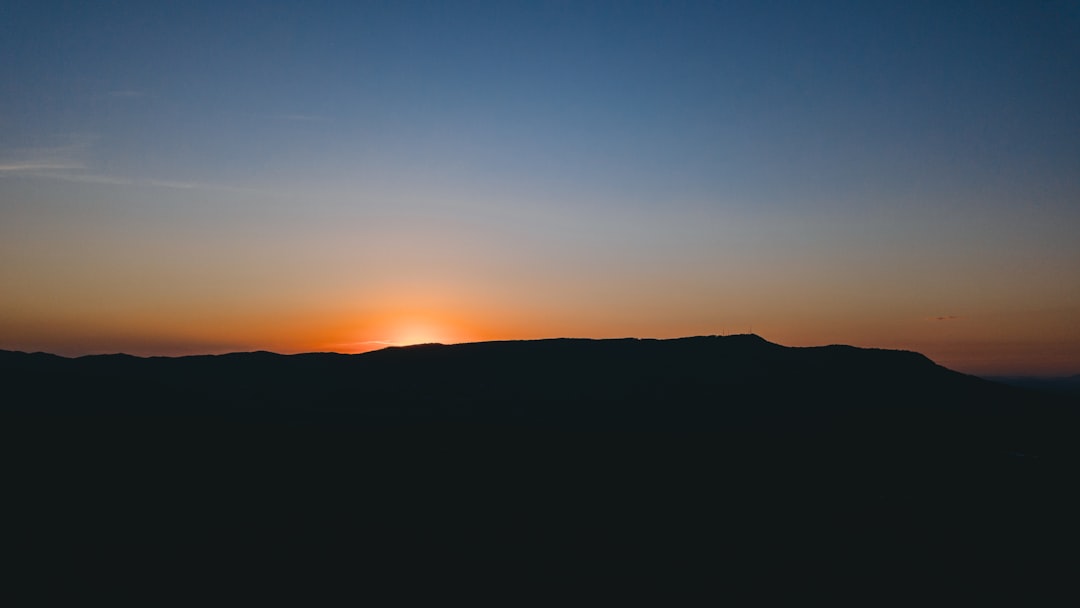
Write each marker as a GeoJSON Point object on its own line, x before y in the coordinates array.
{"type": "Point", "coordinates": [205, 177]}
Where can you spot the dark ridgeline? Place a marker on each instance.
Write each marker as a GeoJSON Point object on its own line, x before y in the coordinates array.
{"type": "Point", "coordinates": [676, 462]}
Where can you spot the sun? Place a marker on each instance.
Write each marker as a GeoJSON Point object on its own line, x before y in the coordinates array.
{"type": "Point", "coordinates": [405, 330]}
{"type": "Point", "coordinates": [420, 332]}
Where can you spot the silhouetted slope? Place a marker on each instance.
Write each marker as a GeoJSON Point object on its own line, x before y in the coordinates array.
{"type": "Point", "coordinates": [692, 383]}
{"type": "Point", "coordinates": [542, 371]}
{"type": "Point", "coordinates": [667, 461]}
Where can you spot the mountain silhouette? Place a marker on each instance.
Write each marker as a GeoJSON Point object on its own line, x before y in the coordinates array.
{"type": "Point", "coordinates": [545, 460]}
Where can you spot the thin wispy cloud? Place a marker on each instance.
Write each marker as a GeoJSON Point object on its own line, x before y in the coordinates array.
{"type": "Point", "coordinates": [113, 180]}
{"type": "Point", "coordinates": [119, 95]}
{"type": "Point", "coordinates": [37, 166]}
{"type": "Point", "coordinates": [125, 94]}
{"type": "Point", "coordinates": [68, 155]}
{"type": "Point", "coordinates": [67, 162]}
{"type": "Point", "coordinates": [86, 178]}
{"type": "Point", "coordinates": [297, 117]}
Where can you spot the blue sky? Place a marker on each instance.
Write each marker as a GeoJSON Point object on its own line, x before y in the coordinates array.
{"type": "Point", "coordinates": [831, 171]}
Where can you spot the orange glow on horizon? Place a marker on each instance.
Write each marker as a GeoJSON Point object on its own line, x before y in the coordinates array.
{"type": "Point", "coordinates": [968, 340]}
{"type": "Point", "coordinates": [379, 330]}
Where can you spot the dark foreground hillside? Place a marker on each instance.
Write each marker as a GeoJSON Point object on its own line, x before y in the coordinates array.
{"type": "Point", "coordinates": [625, 465]}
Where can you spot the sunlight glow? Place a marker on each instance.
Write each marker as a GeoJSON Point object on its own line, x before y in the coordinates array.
{"type": "Point", "coordinates": [420, 332]}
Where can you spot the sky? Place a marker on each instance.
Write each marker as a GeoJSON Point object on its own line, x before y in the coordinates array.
{"type": "Point", "coordinates": [205, 177]}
